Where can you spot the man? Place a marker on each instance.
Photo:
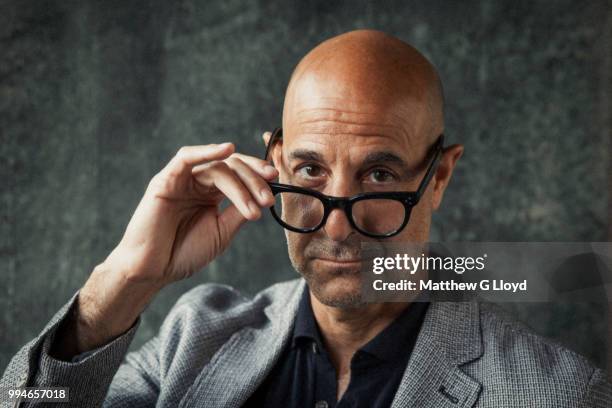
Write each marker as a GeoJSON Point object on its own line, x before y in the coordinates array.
{"type": "Point", "coordinates": [363, 113]}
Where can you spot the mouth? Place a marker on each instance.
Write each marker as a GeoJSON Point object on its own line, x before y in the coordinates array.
{"type": "Point", "coordinates": [342, 263]}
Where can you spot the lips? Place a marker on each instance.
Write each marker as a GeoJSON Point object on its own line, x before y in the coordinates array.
{"type": "Point", "coordinates": [342, 264]}
{"type": "Point", "coordinates": [348, 261]}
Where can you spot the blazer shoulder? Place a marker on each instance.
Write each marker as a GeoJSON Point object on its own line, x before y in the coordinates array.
{"type": "Point", "coordinates": [212, 297]}
{"type": "Point", "coordinates": [217, 298]}
{"type": "Point", "coordinates": [500, 327]}
{"type": "Point", "coordinates": [519, 360]}
{"type": "Point", "coordinates": [213, 307]}
{"type": "Point", "coordinates": [205, 318]}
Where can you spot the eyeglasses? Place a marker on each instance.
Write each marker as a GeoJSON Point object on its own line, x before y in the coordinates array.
{"type": "Point", "coordinates": [373, 214]}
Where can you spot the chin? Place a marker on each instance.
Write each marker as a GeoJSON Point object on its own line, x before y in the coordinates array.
{"type": "Point", "coordinates": [338, 290]}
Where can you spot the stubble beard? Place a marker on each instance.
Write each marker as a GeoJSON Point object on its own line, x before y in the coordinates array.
{"type": "Point", "coordinates": [316, 282]}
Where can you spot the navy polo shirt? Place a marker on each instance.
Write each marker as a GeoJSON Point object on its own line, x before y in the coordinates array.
{"type": "Point", "coordinates": [305, 377]}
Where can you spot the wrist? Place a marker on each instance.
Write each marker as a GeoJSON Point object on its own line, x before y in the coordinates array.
{"type": "Point", "coordinates": [108, 305]}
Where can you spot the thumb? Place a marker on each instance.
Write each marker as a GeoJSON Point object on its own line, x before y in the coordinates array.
{"type": "Point", "coordinates": [230, 221]}
{"type": "Point", "coordinates": [266, 137]}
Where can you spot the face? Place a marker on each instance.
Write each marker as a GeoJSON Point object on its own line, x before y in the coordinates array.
{"type": "Point", "coordinates": [341, 144]}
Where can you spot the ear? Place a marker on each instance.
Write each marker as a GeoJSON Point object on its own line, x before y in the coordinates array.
{"type": "Point", "coordinates": [449, 158]}
{"type": "Point", "coordinates": [274, 153]}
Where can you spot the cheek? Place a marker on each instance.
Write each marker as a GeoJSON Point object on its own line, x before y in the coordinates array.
{"type": "Point", "coordinates": [295, 245]}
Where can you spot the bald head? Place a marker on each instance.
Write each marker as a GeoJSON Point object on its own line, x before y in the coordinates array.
{"type": "Point", "coordinates": [361, 114]}
{"type": "Point", "coordinates": [369, 71]}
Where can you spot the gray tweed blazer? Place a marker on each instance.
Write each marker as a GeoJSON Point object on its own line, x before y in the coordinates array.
{"type": "Point", "coordinates": [216, 346]}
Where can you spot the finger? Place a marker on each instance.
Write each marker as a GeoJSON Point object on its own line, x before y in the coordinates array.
{"type": "Point", "coordinates": [230, 221]}
{"type": "Point", "coordinates": [257, 186]}
{"type": "Point", "coordinates": [189, 156]}
{"type": "Point", "coordinates": [261, 167]}
{"type": "Point", "coordinates": [266, 137]}
{"type": "Point", "coordinates": [220, 176]}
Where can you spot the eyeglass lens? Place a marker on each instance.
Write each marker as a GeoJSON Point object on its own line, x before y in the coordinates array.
{"type": "Point", "coordinates": [373, 216]}
{"type": "Point", "coordinates": [299, 211]}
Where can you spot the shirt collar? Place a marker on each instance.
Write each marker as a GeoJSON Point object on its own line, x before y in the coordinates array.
{"type": "Point", "coordinates": [398, 338]}
{"type": "Point", "coordinates": [395, 340]}
{"type": "Point", "coordinates": [305, 324]}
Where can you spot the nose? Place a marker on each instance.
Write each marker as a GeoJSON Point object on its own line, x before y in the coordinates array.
{"type": "Point", "coordinates": [337, 227]}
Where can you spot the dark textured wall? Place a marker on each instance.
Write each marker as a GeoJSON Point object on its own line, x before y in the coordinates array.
{"type": "Point", "coordinates": [95, 96]}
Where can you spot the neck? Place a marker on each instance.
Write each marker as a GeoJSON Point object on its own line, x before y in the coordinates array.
{"type": "Point", "coordinates": [345, 330]}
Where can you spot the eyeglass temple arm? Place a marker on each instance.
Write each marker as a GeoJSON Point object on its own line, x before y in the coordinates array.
{"type": "Point", "coordinates": [432, 167]}
{"type": "Point", "coordinates": [276, 134]}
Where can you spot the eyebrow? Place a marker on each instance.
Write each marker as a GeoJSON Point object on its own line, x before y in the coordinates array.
{"type": "Point", "coordinates": [306, 155]}
{"type": "Point", "coordinates": [384, 157]}
{"type": "Point", "coordinates": [371, 158]}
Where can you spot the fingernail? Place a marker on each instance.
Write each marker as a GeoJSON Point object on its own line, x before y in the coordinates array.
{"type": "Point", "coordinates": [266, 195]}
{"type": "Point", "coordinates": [270, 170]}
{"type": "Point", "coordinates": [254, 208]}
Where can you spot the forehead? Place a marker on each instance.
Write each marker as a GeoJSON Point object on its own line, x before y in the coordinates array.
{"type": "Point", "coordinates": [345, 126]}
{"type": "Point", "coordinates": [351, 109]}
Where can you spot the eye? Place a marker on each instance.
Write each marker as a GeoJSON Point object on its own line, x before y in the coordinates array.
{"type": "Point", "coordinates": [310, 170]}
{"type": "Point", "coordinates": [381, 176]}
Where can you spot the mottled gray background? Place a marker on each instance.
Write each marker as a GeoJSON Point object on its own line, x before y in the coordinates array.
{"type": "Point", "coordinates": [97, 95]}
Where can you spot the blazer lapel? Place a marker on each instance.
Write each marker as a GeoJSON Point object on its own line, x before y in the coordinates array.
{"type": "Point", "coordinates": [241, 364]}
{"type": "Point", "coordinates": [450, 336]}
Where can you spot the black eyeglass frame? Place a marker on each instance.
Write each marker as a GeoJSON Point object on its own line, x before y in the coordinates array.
{"type": "Point", "coordinates": [408, 198]}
